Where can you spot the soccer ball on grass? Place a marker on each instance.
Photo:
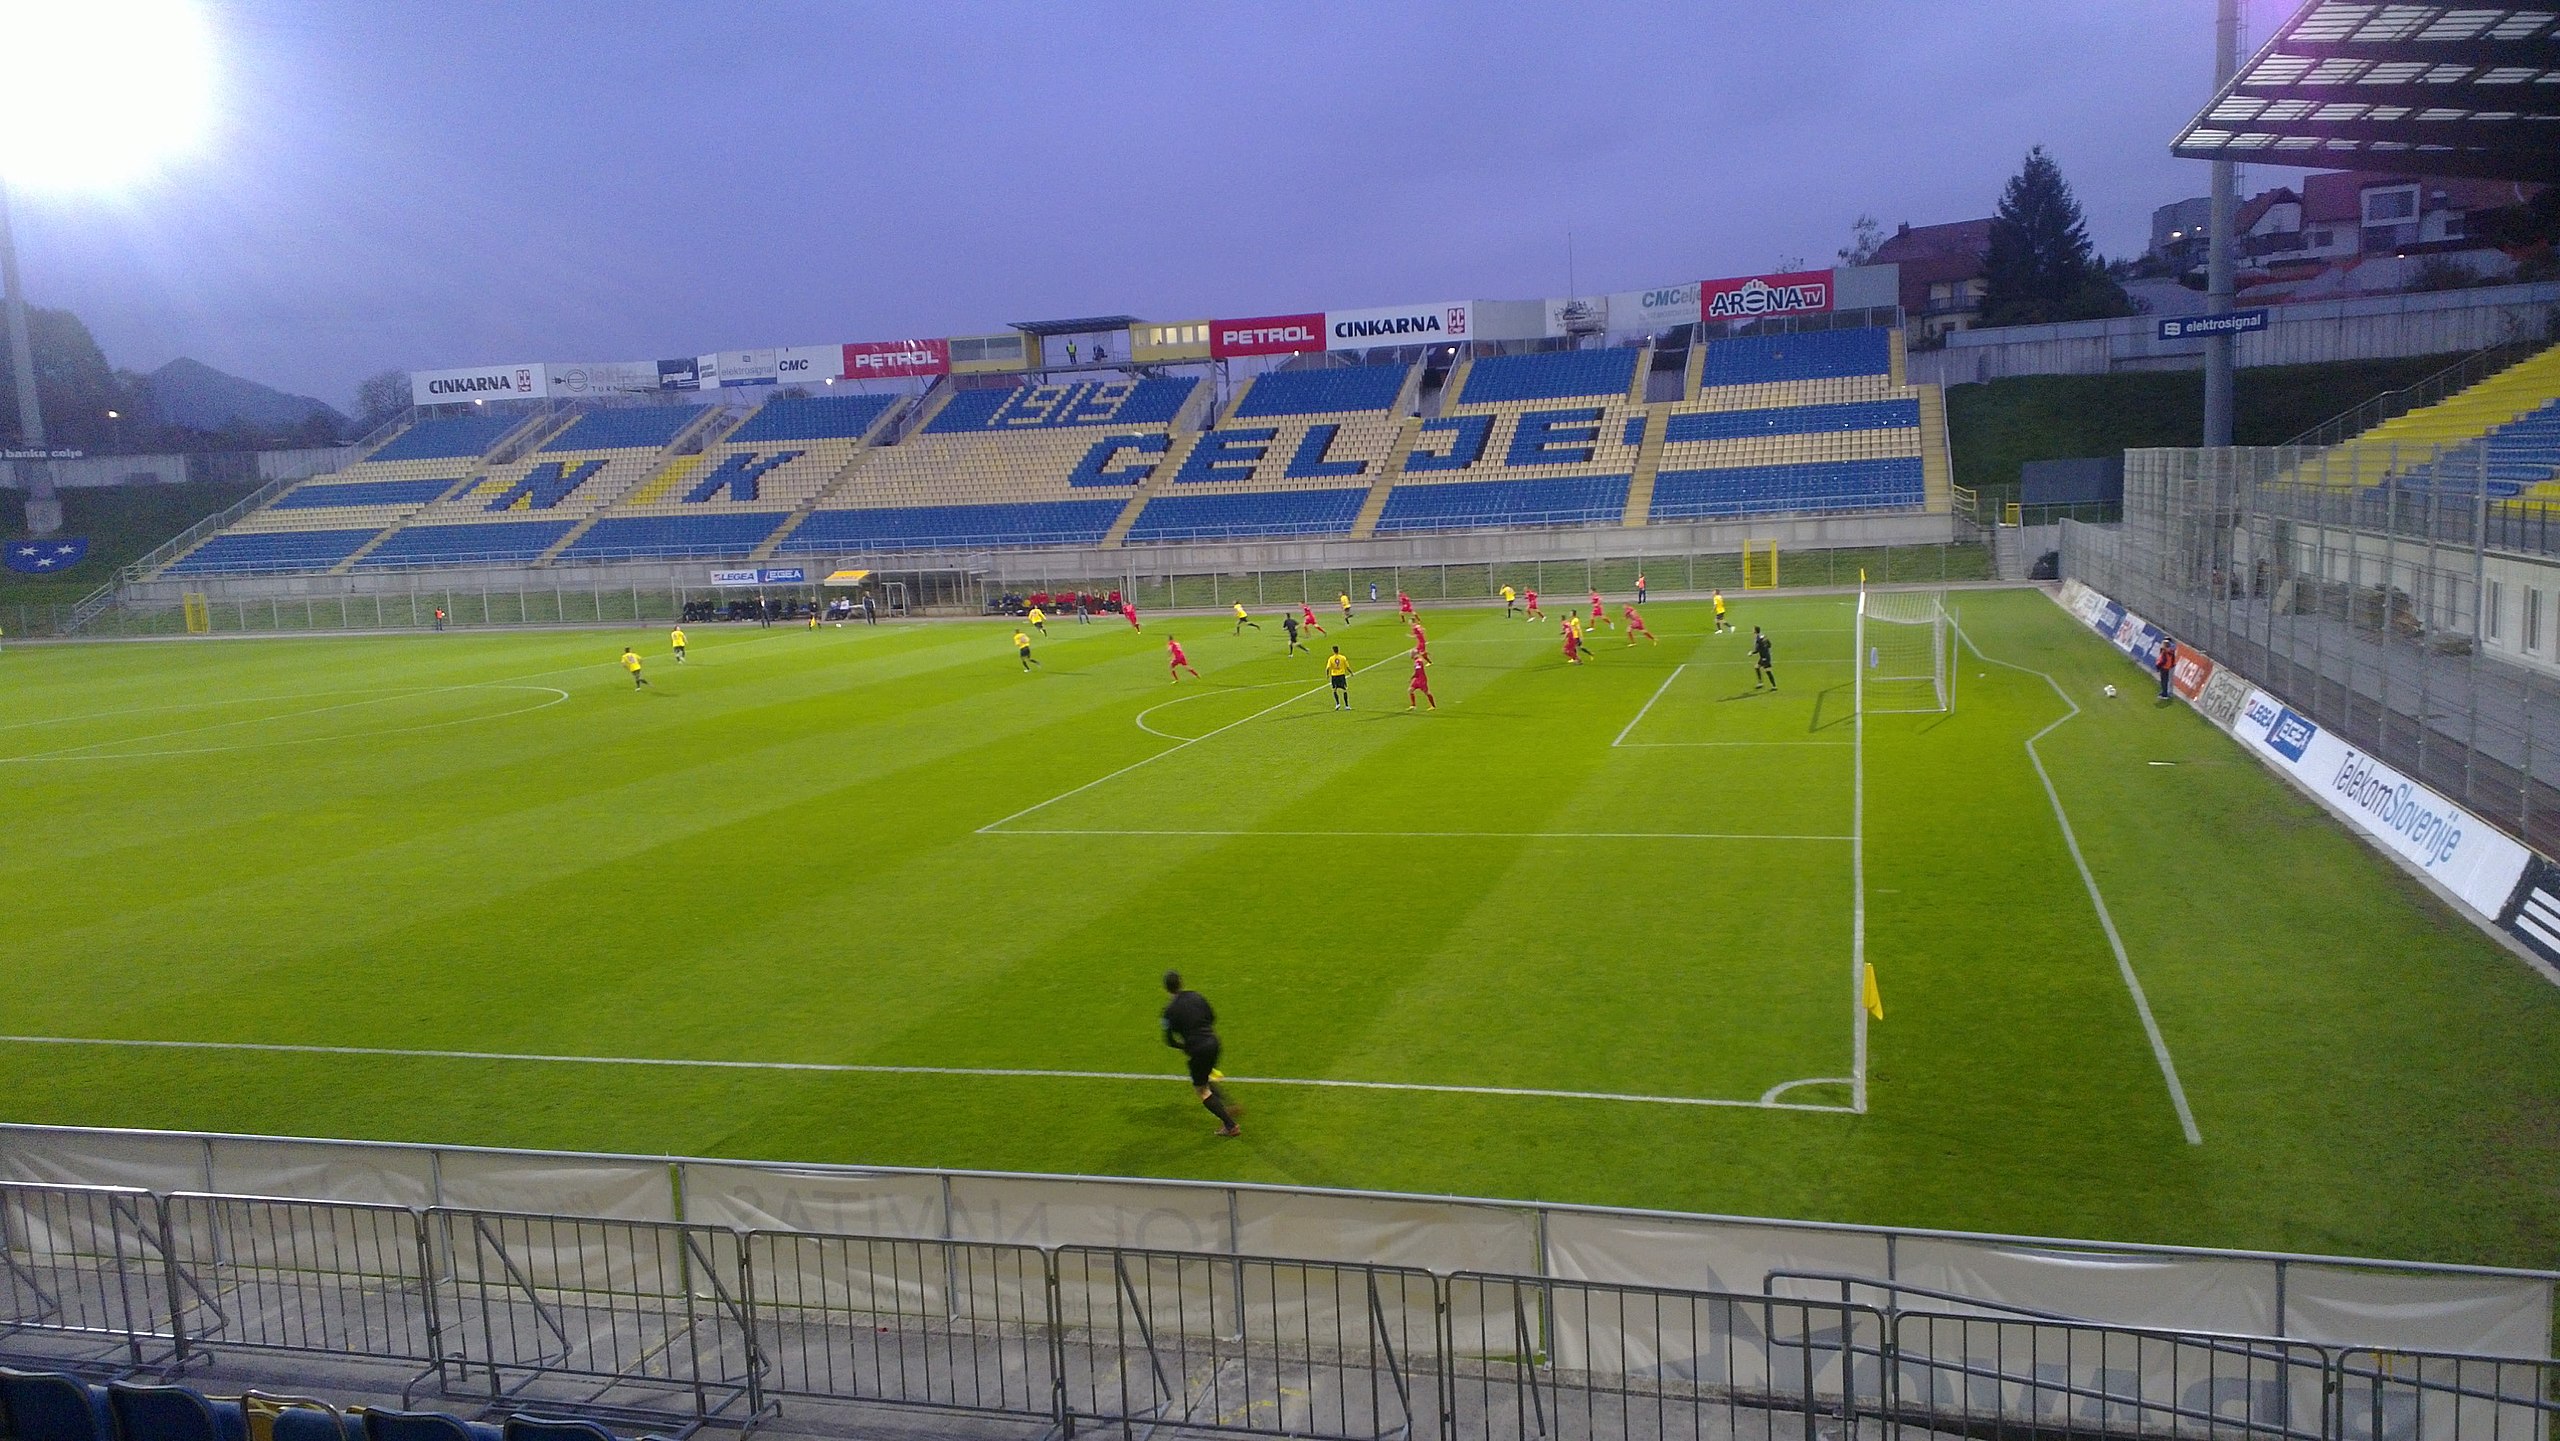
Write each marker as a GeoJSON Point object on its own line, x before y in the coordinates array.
{"type": "Point", "coordinates": [2111, 692]}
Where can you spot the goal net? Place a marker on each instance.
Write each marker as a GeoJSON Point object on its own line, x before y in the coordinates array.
{"type": "Point", "coordinates": [1902, 652]}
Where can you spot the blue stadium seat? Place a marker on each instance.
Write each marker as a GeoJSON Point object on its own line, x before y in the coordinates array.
{"type": "Point", "coordinates": [1488, 504]}
{"type": "Point", "coordinates": [44, 1406]}
{"type": "Point", "coordinates": [1041, 407]}
{"type": "Point", "coordinates": [314, 495]}
{"type": "Point", "coordinates": [716, 534]}
{"type": "Point", "coordinates": [2522, 453]}
{"type": "Point", "coordinates": [1803, 355]}
{"type": "Point", "coordinates": [385, 1425]}
{"type": "Point", "coordinates": [173, 1413]}
{"type": "Point", "coordinates": [1825, 485]}
{"type": "Point", "coordinates": [938, 527]}
{"type": "Point", "coordinates": [1550, 375]}
{"type": "Point", "coordinates": [463, 437]}
{"type": "Point", "coordinates": [643, 427]}
{"type": "Point", "coordinates": [815, 417]}
{"type": "Point", "coordinates": [272, 552]}
{"type": "Point", "coordinates": [546, 485]}
{"type": "Point", "coordinates": [737, 473]}
{"type": "Point", "coordinates": [1249, 513]}
{"type": "Point", "coordinates": [497, 543]}
{"type": "Point", "coordinates": [1341, 391]}
{"type": "Point", "coordinates": [1794, 420]}
{"type": "Point", "coordinates": [311, 1423]}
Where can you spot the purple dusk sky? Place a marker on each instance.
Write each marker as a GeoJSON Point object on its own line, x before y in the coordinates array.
{"type": "Point", "coordinates": [430, 184]}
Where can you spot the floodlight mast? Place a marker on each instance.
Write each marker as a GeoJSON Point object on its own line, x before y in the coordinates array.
{"type": "Point", "coordinates": [2218, 245]}
{"type": "Point", "coordinates": [44, 509]}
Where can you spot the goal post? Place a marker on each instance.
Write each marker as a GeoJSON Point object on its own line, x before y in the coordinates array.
{"type": "Point", "coordinates": [1902, 653]}
{"type": "Point", "coordinates": [1759, 565]}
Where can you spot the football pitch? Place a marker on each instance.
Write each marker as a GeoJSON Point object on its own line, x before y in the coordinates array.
{"type": "Point", "coordinates": [1584, 933]}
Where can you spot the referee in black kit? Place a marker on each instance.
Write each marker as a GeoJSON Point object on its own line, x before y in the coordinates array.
{"type": "Point", "coordinates": [1192, 1028]}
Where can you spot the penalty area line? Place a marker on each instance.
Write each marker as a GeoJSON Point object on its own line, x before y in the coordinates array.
{"type": "Point", "coordinates": [851, 1068]}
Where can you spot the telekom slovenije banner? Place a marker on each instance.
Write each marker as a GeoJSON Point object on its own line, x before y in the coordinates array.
{"type": "Point", "coordinates": [1752, 297]}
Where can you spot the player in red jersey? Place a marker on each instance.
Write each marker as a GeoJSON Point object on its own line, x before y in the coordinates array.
{"type": "Point", "coordinates": [1421, 683]}
{"type": "Point", "coordinates": [1129, 608]}
{"type": "Point", "coordinates": [1176, 662]}
{"type": "Point", "coordinates": [1635, 626]}
{"type": "Point", "coordinates": [1309, 612]}
{"type": "Point", "coordinates": [1599, 612]}
{"type": "Point", "coordinates": [1421, 645]}
{"type": "Point", "coordinates": [1404, 603]}
{"type": "Point", "coordinates": [1531, 600]}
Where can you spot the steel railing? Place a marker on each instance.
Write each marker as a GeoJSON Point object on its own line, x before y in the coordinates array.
{"type": "Point", "coordinates": [683, 1325]}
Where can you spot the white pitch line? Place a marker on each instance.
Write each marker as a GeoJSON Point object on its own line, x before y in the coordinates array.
{"type": "Point", "coordinates": [847, 1068]}
{"type": "Point", "coordinates": [1438, 835]}
{"type": "Point", "coordinates": [2106, 921]}
{"type": "Point", "coordinates": [1695, 745]}
{"type": "Point", "coordinates": [991, 827]}
{"type": "Point", "coordinates": [1648, 705]}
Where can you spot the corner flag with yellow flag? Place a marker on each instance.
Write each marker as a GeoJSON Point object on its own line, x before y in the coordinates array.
{"type": "Point", "coordinates": [1870, 997]}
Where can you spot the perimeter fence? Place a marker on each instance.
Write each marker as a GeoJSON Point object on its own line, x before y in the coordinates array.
{"type": "Point", "coordinates": [2375, 610]}
{"type": "Point", "coordinates": [680, 1325]}
{"type": "Point", "coordinates": [959, 584]}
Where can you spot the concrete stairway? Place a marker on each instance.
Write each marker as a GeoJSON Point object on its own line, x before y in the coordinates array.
{"type": "Point", "coordinates": [1657, 423]}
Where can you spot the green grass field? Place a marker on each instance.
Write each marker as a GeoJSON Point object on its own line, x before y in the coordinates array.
{"type": "Point", "coordinates": [1538, 927]}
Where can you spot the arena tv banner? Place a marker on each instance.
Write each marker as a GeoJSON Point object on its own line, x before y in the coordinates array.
{"type": "Point", "coordinates": [1756, 297]}
{"type": "Point", "coordinates": [487, 382]}
{"type": "Point", "coordinates": [1267, 335]}
{"type": "Point", "coordinates": [1449, 320]}
{"type": "Point", "coordinates": [888, 359]}
{"type": "Point", "coordinates": [2456, 848]}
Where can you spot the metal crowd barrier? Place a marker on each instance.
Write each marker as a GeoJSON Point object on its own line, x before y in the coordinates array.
{"type": "Point", "coordinates": [676, 1326]}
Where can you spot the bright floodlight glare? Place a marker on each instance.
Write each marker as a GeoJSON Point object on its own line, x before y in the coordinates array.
{"type": "Point", "coordinates": [100, 92]}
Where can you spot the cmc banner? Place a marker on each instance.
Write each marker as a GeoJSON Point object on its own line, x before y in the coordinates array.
{"type": "Point", "coordinates": [886, 359]}
{"type": "Point", "coordinates": [1400, 325]}
{"type": "Point", "coordinates": [1753, 297]}
{"type": "Point", "coordinates": [808, 364]}
{"type": "Point", "coordinates": [1267, 335]}
{"type": "Point", "coordinates": [1654, 309]}
{"type": "Point", "coordinates": [2460, 851]}
{"type": "Point", "coordinates": [487, 382]}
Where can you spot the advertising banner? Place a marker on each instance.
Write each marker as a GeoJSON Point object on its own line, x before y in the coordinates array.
{"type": "Point", "coordinates": [2224, 693]}
{"type": "Point", "coordinates": [608, 377]}
{"type": "Point", "coordinates": [808, 364]}
{"type": "Point", "coordinates": [783, 575]}
{"type": "Point", "coordinates": [1447, 320]}
{"type": "Point", "coordinates": [1755, 297]}
{"type": "Point", "coordinates": [2192, 672]}
{"type": "Point", "coordinates": [734, 578]}
{"type": "Point", "coordinates": [736, 367]}
{"type": "Point", "coordinates": [2457, 849]}
{"type": "Point", "coordinates": [486, 382]}
{"type": "Point", "coordinates": [888, 359]}
{"type": "Point", "coordinates": [684, 374]}
{"type": "Point", "coordinates": [1577, 314]}
{"type": "Point", "coordinates": [2533, 915]}
{"type": "Point", "coordinates": [1267, 335]}
{"type": "Point", "coordinates": [1658, 309]}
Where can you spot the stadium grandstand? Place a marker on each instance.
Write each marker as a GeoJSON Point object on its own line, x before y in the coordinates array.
{"type": "Point", "coordinates": [1809, 424]}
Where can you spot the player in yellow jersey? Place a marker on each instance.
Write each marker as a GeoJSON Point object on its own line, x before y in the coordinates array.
{"type": "Point", "coordinates": [1337, 669]}
{"type": "Point", "coordinates": [1022, 648]}
{"type": "Point", "coordinates": [676, 638]}
{"type": "Point", "coordinates": [1243, 619]}
{"type": "Point", "coordinates": [631, 663]}
{"type": "Point", "coordinates": [1346, 607]}
{"type": "Point", "coordinates": [1722, 625]}
{"type": "Point", "coordinates": [1039, 620]}
{"type": "Point", "coordinates": [1510, 602]}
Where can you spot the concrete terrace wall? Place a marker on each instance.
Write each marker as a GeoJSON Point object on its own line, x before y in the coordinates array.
{"type": "Point", "coordinates": [2374, 328]}
{"type": "Point", "coordinates": [1517, 545]}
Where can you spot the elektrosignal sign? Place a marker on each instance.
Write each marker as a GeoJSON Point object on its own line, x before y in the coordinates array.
{"type": "Point", "coordinates": [2191, 327]}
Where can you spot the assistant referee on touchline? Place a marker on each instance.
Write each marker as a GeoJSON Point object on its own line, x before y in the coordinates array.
{"type": "Point", "coordinates": [1191, 1027]}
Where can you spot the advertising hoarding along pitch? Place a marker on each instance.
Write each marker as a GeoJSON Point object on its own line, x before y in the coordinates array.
{"type": "Point", "coordinates": [1448, 320]}
{"type": "Point", "coordinates": [1755, 297]}
{"type": "Point", "coordinates": [888, 359]}
{"type": "Point", "coordinates": [484, 382]}
{"type": "Point", "coordinates": [1267, 335]}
